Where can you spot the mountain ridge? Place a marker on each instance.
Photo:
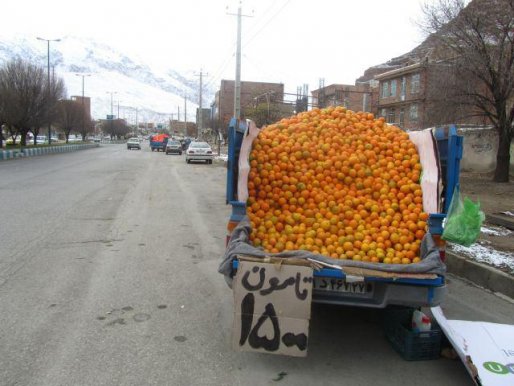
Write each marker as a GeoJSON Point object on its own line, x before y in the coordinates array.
{"type": "Point", "coordinates": [157, 94]}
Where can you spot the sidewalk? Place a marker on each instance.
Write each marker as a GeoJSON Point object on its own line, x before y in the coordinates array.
{"type": "Point", "coordinates": [489, 262]}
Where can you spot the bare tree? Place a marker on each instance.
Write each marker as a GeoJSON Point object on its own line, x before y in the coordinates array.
{"type": "Point", "coordinates": [478, 42]}
{"type": "Point", "coordinates": [115, 127]}
{"type": "Point", "coordinates": [70, 116]}
{"type": "Point", "coordinates": [87, 126]}
{"type": "Point", "coordinates": [26, 102]}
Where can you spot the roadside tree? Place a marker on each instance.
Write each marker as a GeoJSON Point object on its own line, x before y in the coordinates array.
{"type": "Point", "coordinates": [70, 116]}
{"type": "Point", "coordinates": [115, 127]}
{"type": "Point", "coordinates": [478, 40]}
{"type": "Point", "coordinates": [26, 102]}
{"type": "Point", "coordinates": [87, 127]}
{"type": "Point", "coordinates": [266, 113]}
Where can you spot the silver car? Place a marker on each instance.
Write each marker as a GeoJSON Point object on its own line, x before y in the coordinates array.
{"type": "Point", "coordinates": [174, 147]}
{"type": "Point", "coordinates": [199, 151]}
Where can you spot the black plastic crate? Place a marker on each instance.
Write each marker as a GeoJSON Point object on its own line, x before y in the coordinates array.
{"type": "Point", "coordinates": [412, 346]}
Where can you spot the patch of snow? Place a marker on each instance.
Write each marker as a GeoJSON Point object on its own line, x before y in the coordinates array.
{"type": "Point", "coordinates": [223, 157]}
{"type": "Point", "coordinates": [484, 254]}
{"type": "Point", "coordinates": [495, 231]}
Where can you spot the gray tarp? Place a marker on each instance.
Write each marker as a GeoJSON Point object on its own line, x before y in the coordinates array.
{"type": "Point", "coordinates": [239, 244]}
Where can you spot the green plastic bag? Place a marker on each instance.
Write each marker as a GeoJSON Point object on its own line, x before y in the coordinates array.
{"type": "Point", "coordinates": [463, 221]}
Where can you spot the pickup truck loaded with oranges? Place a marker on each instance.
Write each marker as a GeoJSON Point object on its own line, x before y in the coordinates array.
{"type": "Point", "coordinates": [362, 200]}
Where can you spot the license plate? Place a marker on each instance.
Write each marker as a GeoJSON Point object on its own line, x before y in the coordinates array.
{"type": "Point", "coordinates": [340, 285]}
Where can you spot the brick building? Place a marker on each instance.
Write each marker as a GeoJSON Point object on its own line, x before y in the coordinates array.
{"type": "Point", "coordinates": [86, 101]}
{"type": "Point", "coordinates": [251, 92]}
{"type": "Point", "coordinates": [358, 97]}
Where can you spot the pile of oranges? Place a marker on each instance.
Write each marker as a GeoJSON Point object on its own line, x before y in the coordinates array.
{"type": "Point", "coordinates": [337, 183]}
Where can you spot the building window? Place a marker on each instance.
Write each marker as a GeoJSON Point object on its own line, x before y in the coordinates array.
{"type": "Point", "coordinates": [383, 112]}
{"type": "Point", "coordinates": [414, 84]}
{"type": "Point", "coordinates": [391, 116]}
{"type": "Point", "coordinates": [413, 112]}
{"type": "Point", "coordinates": [393, 88]}
{"type": "Point", "coordinates": [339, 96]}
{"type": "Point", "coordinates": [402, 117]}
{"type": "Point", "coordinates": [385, 90]}
{"type": "Point", "coordinates": [404, 87]}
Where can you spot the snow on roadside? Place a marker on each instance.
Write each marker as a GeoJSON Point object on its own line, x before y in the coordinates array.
{"type": "Point", "coordinates": [495, 231]}
{"type": "Point", "coordinates": [223, 157]}
{"type": "Point", "coordinates": [484, 254]}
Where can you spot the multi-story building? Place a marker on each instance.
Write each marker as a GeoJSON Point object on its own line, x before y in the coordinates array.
{"type": "Point", "coordinates": [402, 95]}
{"type": "Point", "coordinates": [251, 93]}
{"type": "Point", "coordinates": [412, 97]}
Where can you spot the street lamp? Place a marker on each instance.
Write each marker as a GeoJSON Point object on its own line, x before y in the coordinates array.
{"type": "Point", "coordinates": [49, 93]}
{"type": "Point", "coordinates": [83, 108]}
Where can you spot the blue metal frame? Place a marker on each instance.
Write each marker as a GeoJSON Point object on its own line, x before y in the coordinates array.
{"type": "Point", "coordinates": [450, 148]}
{"type": "Point", "coordinates": [235, 139]}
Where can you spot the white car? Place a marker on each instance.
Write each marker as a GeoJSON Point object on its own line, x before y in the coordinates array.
{"type": "Point", "coordinates": [133, 143]}
{"type": "Point", "coordinates": [199, 151]}
{"type": "Point", "coordinates": [41, 139]}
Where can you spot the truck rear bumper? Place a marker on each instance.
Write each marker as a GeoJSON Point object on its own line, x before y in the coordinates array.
{"type": "Point", "coordinates": [386, 294]}
{"type": "Point", "coordinates": [373, 292]}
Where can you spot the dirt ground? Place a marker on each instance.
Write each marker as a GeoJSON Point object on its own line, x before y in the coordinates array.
{"type": "Point", "coordinates": [493, 197]}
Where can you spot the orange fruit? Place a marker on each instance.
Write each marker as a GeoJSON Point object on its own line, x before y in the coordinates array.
{"type": "Point", "coordinates": [339, 183]}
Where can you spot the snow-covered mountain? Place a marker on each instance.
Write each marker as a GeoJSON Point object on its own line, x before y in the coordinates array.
{"type": "Point", "coordinates": [157, 93]}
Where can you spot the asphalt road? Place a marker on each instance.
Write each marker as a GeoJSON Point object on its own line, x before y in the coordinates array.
{"type": "Point", "coordinates": [108, 276]}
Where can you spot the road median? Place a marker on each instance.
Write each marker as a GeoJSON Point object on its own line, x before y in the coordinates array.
{"type": "Point", "coordinates": [36, 151]}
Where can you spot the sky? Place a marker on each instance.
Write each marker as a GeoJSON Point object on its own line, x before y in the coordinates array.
{"type": "Point", "coordinates": [294, 42]}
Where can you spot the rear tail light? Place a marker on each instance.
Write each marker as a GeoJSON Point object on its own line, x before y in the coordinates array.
{"type": "Point", "coordinates": [190, 152]}
{"type": "Point", "coordinates": [231, 225]}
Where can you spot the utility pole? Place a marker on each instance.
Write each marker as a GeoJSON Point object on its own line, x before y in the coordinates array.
{"type": "Point", "coordinates": [237, 86]}
{"type": "Point", "coordinates": [170, 121]}
{"type": "Point", "coordinates": [112, 113]}
{"type": "Point", "coordinates": [83, 108]}
{"type": "Point", "coordinates": [199, 126]}
{"type": "Point", "coordinates": [185, 114]}
{"type": "Point", "coordinates": [49, 86]}
{"type": "Point", "coordinates": [137, 126]}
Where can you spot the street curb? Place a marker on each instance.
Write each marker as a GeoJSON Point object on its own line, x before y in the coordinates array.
{"type": "Point", "coordinates": [480, 274]}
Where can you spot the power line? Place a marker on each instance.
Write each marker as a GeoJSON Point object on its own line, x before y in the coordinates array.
{"type": "Point", "coordinates": [266, 23]}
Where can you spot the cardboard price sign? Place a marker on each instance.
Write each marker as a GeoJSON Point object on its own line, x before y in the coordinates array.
{"type": "Point", "coordinates": [272, 308]}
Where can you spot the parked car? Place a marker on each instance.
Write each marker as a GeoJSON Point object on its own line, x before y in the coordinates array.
{"type": "Point", "coordinates": [199, 151]}
{"type": "Point", "coordinates": [133, 143]}
{"type": "Point", "coordinates": [174, 147]}
{"type": "Point", "coordinates": [41, 139]}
